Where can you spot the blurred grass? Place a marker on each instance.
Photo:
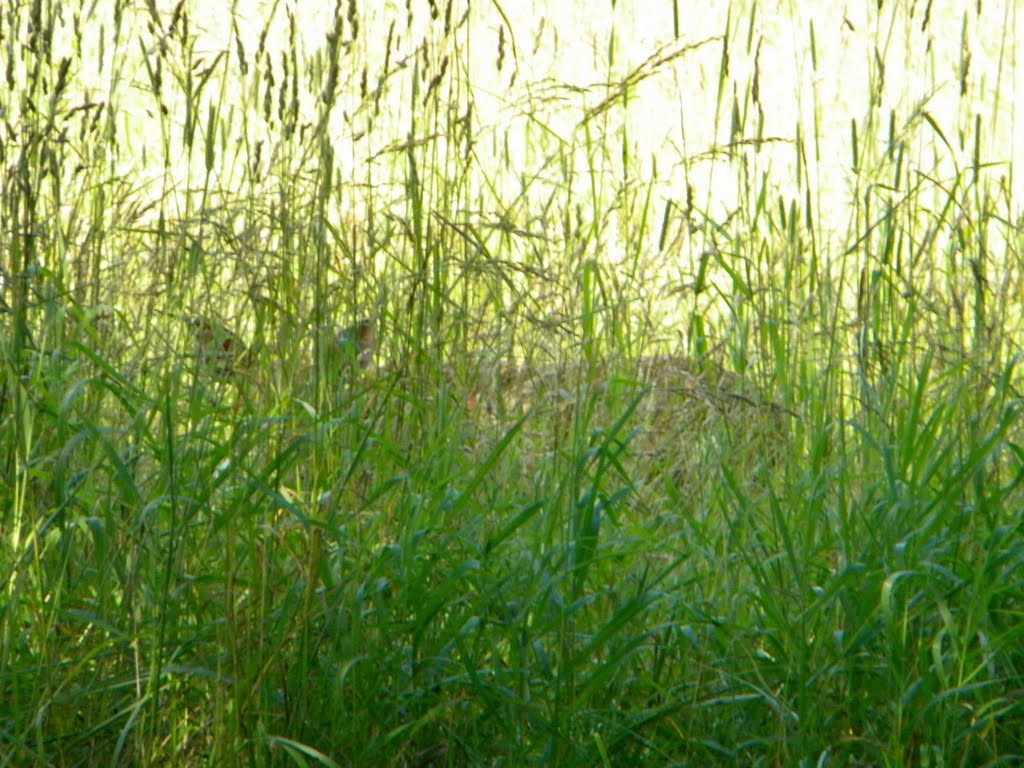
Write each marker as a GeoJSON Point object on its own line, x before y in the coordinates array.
{"type": "Point", "coordinates": [633, 478]}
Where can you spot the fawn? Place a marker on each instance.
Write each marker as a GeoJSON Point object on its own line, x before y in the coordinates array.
{"type": "Point", "coordinates": [219, 353]}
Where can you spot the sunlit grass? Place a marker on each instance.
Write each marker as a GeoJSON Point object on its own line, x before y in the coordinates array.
{"type": "Point", "coordinates": [367, 400]}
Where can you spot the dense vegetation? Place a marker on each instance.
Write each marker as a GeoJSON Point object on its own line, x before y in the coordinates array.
{"type": "Point", "coordinates": [348, 420]}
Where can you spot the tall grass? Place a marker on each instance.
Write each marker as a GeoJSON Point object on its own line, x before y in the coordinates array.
{"type": "Point", "coordinates": [705, 456]}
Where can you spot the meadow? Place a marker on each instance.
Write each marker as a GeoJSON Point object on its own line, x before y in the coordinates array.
{"type": "Point", "coordinates": [452, 384]}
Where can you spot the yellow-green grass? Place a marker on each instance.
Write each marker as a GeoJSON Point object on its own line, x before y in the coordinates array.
{"type": "Point", "coordinates": [655, 458]}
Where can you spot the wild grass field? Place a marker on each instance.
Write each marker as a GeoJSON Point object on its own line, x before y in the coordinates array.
{"type": "Point", "coordinates": [469, 384]}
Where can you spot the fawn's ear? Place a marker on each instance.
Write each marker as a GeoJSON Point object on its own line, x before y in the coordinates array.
{"type": "Point", "coordinates": [366, 338]}
{"type": "Point", "coordinates": [366, 341]}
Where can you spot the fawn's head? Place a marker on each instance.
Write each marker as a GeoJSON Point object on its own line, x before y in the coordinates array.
{"type": "Point", "coordinates": [358, 343]}
{"type": "Point", "coordinates": [219, 353]}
